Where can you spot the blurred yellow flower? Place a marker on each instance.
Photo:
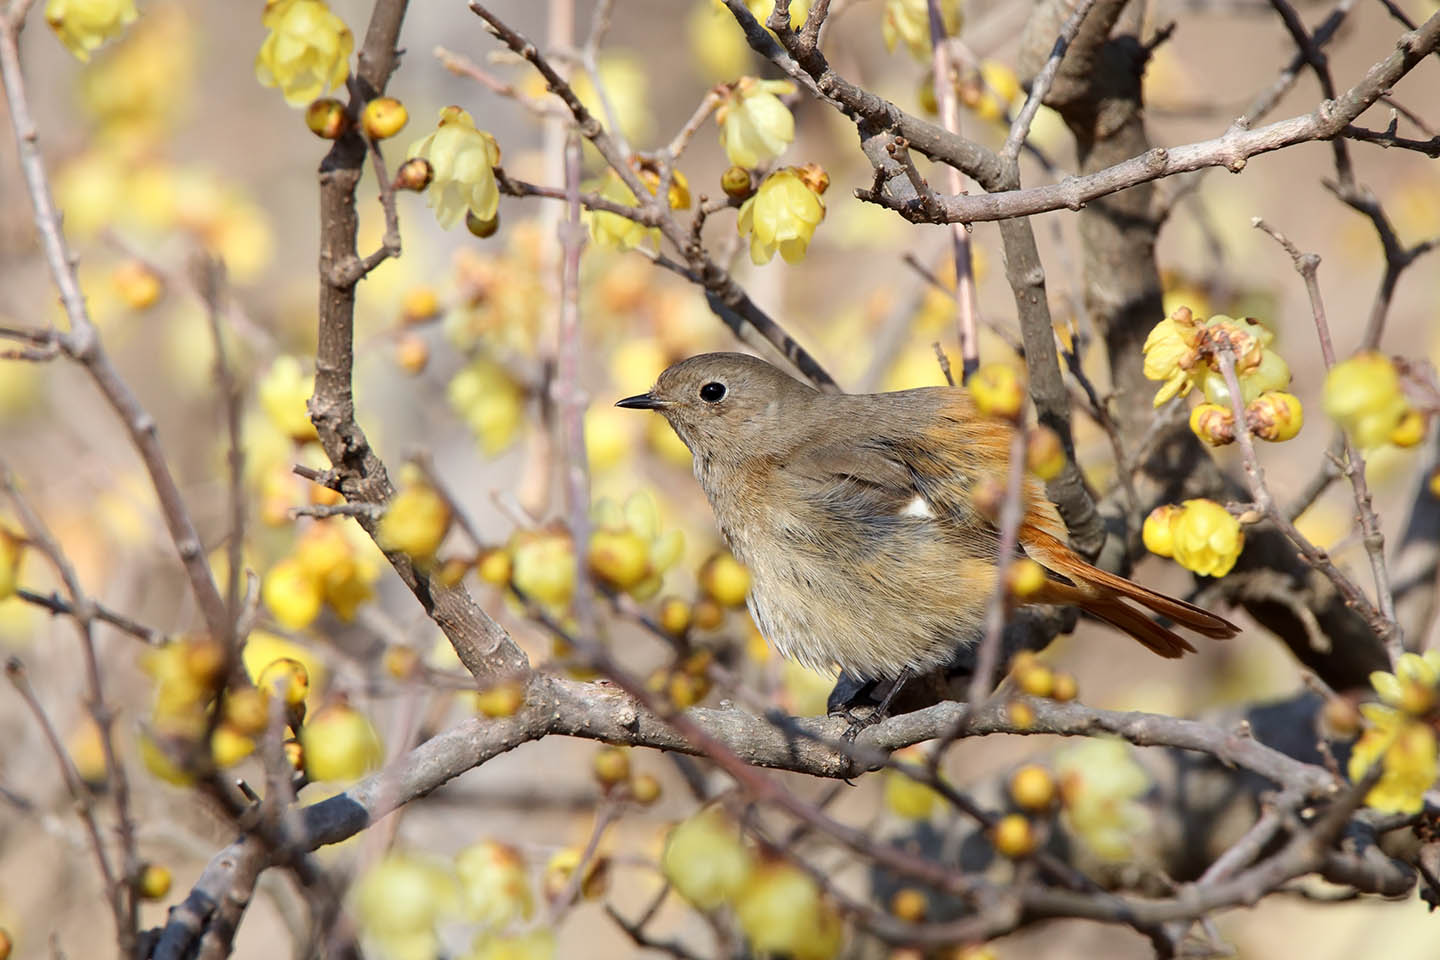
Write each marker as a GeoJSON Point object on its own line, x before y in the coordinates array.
{"type": "Point", "coordinates": [762, 9]}
{"type": "Point", "coordinates": [705, 860]}
{"type": "Point", "coordinates": [755, 127]}
{"type": "Point", "coordinates": [534, 945]}
{"type": "Point", "coordinates": [627, 83]}
{"type": "Point", "coordinates": [782, 215]}
{"type": "Point", "coordinates": [908, 22]}
{"type": "Point", "coordinates": [1100, 787]}
{"type": "Point", "coordinates": [263, 648]}
{"type": "Point", "coordinates": [611, 230]}
{"type": "Point", "coordinates": [997, 390]}
{"type": "Point", "coordinates": [1363, 395]}
{"type": "Point", "coordinates": [1406, 750]}
{"type": "Point", "coordinates": [402, 896]}
{"type": "Point", "coordinates": [83, 25]}
{"type": "Point", "coordinates": [487, 399]}
{"type": "Point", "coordinates": [12, 550]}
{"type": "Point", "coordinates": [717, 45]}
{"type": "Point", "coordinates": [307, 53]}
{"type": "Point", "coordinates": [284, 392]}
{"type": "Point", "coordinates": [494, 884]}
{"type": "Point", "coordinates": [462, 160]}
{"type": "Point", "coordinates": [293, 594]}
{"type": "Point", "coordinates": [543, 566]}
{"type": "Point", "coordinates": [415, 522]}
{"type": "Point", "coordinates": [1206, 539]}
{"type": "Point", "coordinates": [782, 912]}
{"type": "Point", "coordinates": [340, 744]}
{"type": "Point", "coordinates": [144, 84]}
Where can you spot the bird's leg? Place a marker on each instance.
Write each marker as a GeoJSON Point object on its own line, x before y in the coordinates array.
{"type": "Point", "coordinates": [880, 712]}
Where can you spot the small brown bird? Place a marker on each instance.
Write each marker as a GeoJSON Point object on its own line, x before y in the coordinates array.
{"type": "Point", "coordinates": [856, 517]}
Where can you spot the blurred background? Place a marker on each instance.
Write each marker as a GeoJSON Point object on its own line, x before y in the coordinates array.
{"type": "Point", "coordinates": [164, 146]}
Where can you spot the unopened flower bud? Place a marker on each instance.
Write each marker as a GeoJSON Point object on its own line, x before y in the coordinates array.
{"type": "Point", "coordinates": [482, 228]}
{"type": "Point", "coordinates": [327, 119]}
{"type": "Point", "coordinates": [1013, 836]}
{"type": "Point", "coordinates": [814, 176]}
{"type": "Point", "coordinates": [1044, 454]}
{"type": "Point", "coordinates": [1275, 416]}
{"type": "Point", "coordinates": [383, 117]}
{"type": "Point", "coordinates": [1410, 430]}
{"type": "Point", "coordinates": [412, 353]}
{"type": "Point", "coordinates": [414, 174]}
{"type": "Point", "coordinates": [737, 183]}
{"type": "Point", "coordinates": [1213, 423]}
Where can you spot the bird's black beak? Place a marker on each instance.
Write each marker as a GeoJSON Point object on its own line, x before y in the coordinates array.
{"type": "Point", "coordinates": [642, 401]}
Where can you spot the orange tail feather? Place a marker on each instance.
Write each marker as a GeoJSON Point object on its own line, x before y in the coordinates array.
{"type": "Point", "coordinates": [1100, 593]}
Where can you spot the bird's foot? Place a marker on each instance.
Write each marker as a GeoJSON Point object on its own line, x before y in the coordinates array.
{"type": "Point", "coordinates": [850, 694]}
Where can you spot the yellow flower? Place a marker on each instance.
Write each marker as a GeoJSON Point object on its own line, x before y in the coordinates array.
{"type": "Point", "coordinates": [534, 945]}
{"type": "Point", "coordinates": [908, 21]}
{"type": "Point", "coordinates": [415, 522]}
{"type": "Point", "coordinates": [997, 390]}
{"type": "Point", "coordinates": [1363, 395]}
{"type": "Point", "coordinates": [782, 215]}
{"type": "Point", "coordinates": [83, 25]}
{"type": "Point", "coordinates": [1206, 539]}
{"type": "Point", "coordinates": [1406, 750]}
{"type": "Point", "coordinates": [292, 593]}
{"type": "Point", "coordinates": [717, 46]}
{"type": "Point", "coordinates": [755, 127]}
{"type": "Point", "coordinates": [1170, 353]}
{"type": "Point", "coordinates": [402, 894]}
{"type": "Point", "coordinates": [494, 885]}
{"type": "Point", "coordinates": [705, 860]}
{"type": "Point", "coordinates": [1100, 786]}
{"type": "Point", "coordinates": [998, 88]}
{"type": "Point", "coordinates": [761, 10]}
{"type": "Point", "coordinates": [1411, 687]}
{"type": "Point", "coordinates": [488, 400]}
{"type": "Point", "coordinates": [543, 566]}
{"type": "Point", "coordinates": [340, 744]}
{"type": "Point", "coordinates": [12, 549]}
{"type": "Point", "coordinates": [284, 392]}
{"type": "Point", "coordinates": [782, 912]}
{"type": "Point", "coordinates": [462, 160]}
{"type": "Point", "coordinates": [307, 53]}
{"type": "Point", "coordinates": [612, 230]}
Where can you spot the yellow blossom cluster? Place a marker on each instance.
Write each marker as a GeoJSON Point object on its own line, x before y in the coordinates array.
{"type": "Point", "coordinates": [403, 900]}
{"type": "Point", "coordinates": [1100, 790]}
{"type": "Point", "coordinates": [1200, 535]}
{"type": "Point", "coordinates": [780, 908]}
{"type": "Point", "coordinates": [188, 674]}
{"type": "Point", "coordinates": [1400, 734]}
{"type": "Point", "coordinates": [332, 564]}
{"type": "Point", "coordinates": [615, 232]}
{"type": "Point", "coordinates": [1180, 350]}
{"type": "Point", "coordinates": [1363, 394]}
{"type": "Point", "coordinates": [783, 213]}
{"type": "Point", "coordinates": [307, 52]}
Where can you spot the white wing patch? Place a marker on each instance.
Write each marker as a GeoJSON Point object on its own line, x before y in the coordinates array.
{"type": "Point", "coordinates": [918, 507]}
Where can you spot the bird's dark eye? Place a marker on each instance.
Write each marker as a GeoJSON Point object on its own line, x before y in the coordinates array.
{"type": "Point", "coordinates": [712, 392]}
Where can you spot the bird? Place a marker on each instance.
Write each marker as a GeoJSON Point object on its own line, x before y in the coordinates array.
{"type": "Point", "coordinates": [856, 516]}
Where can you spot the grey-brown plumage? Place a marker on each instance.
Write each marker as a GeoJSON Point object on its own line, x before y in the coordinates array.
{"type": "Point", "coordinates": [855, 515]}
